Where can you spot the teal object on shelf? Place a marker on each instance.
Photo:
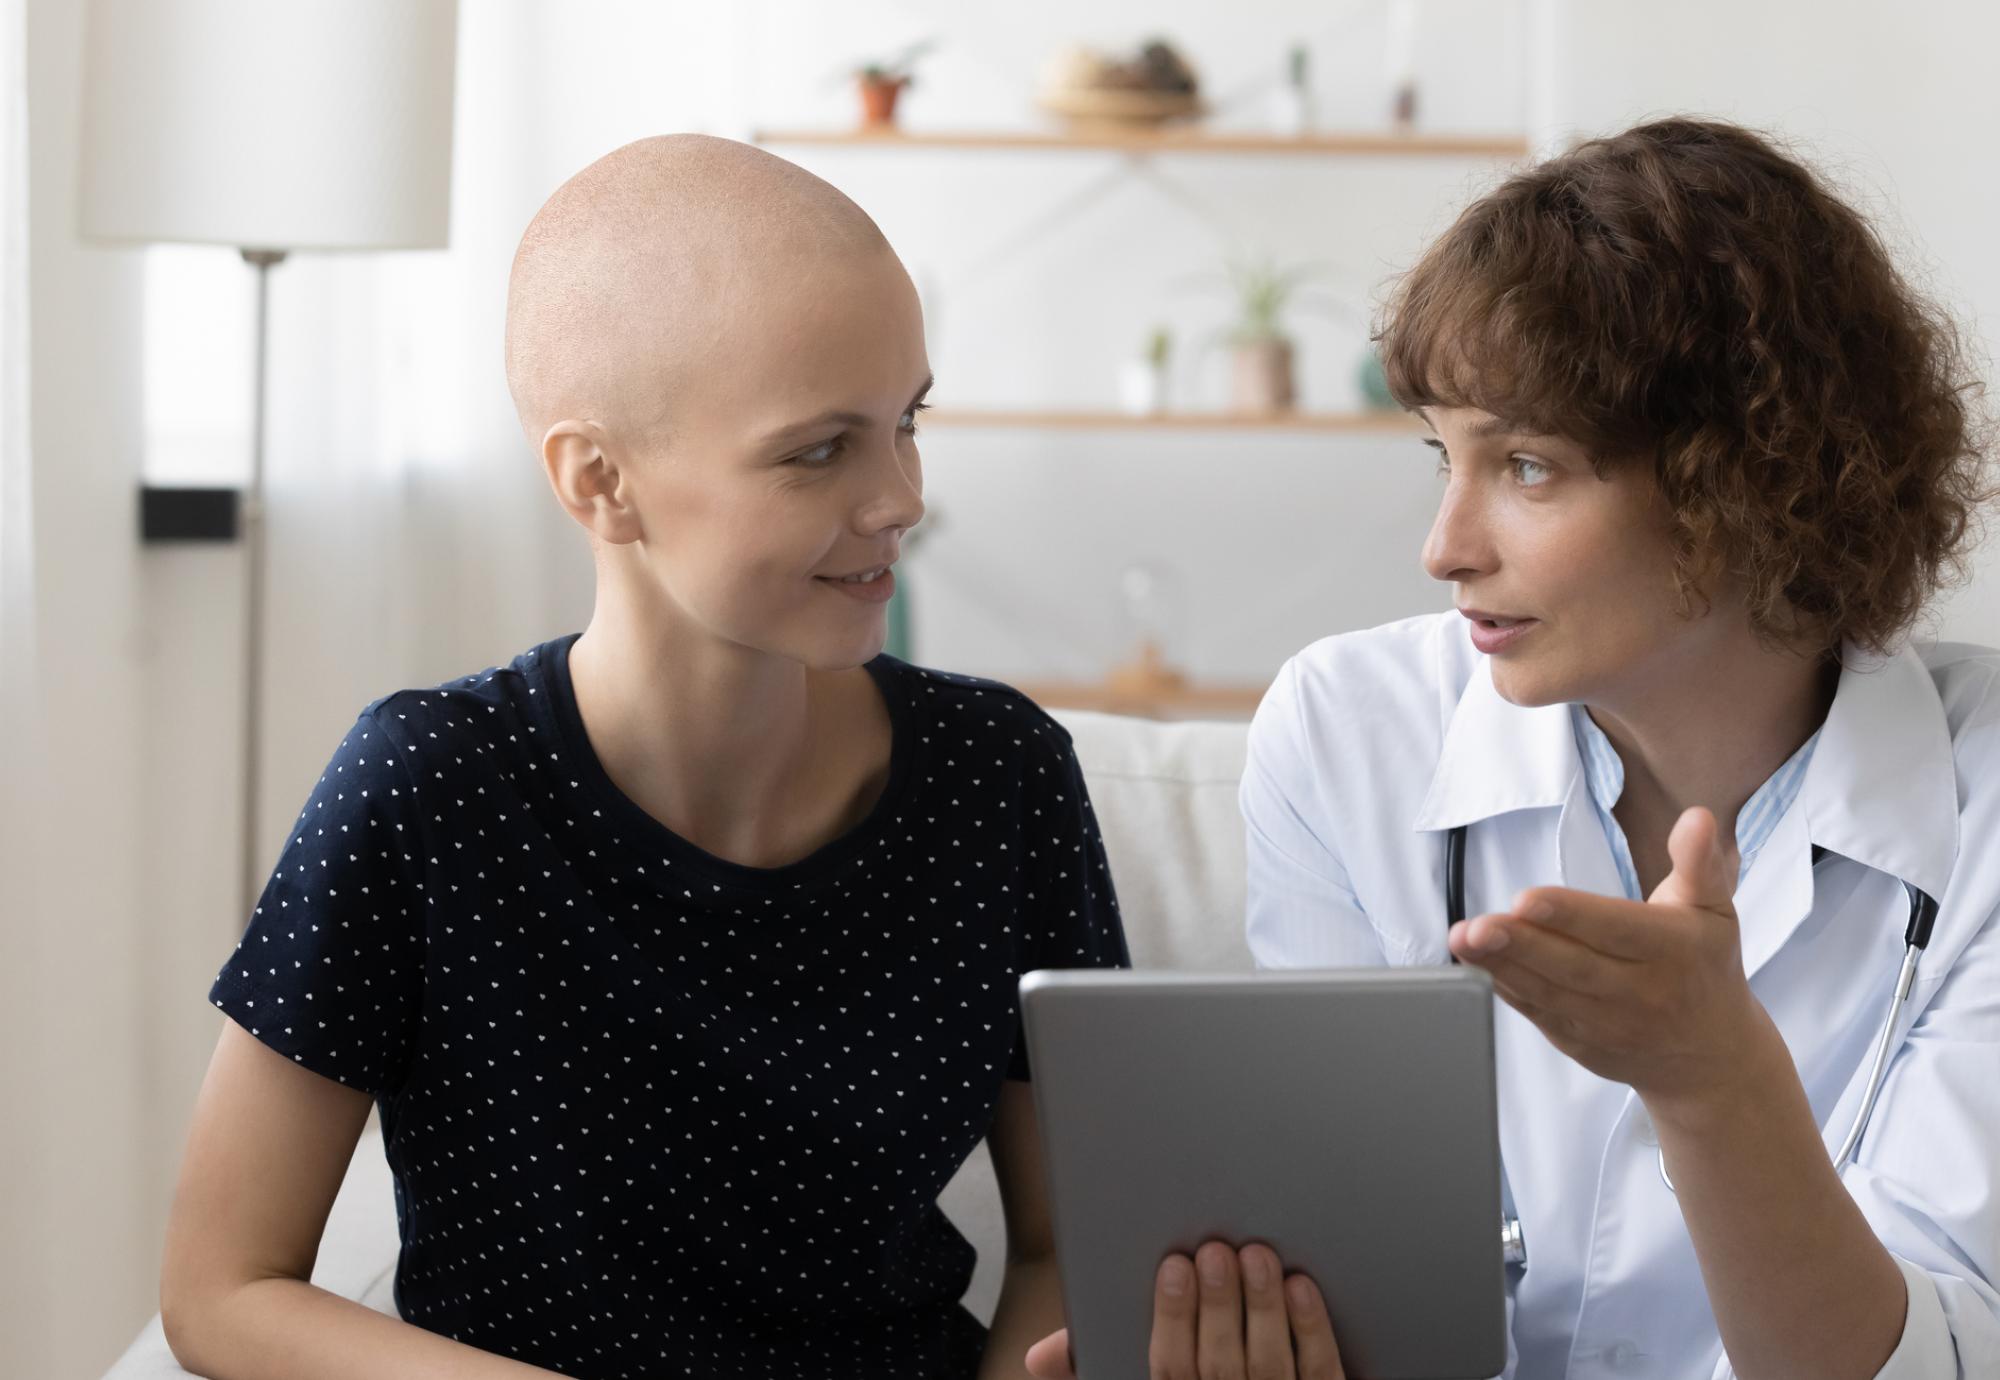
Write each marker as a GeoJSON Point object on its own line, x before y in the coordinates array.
{"type": "Point", "coordinates": [898, 644]}
{"type": "Point", "coordinates": [1375, 383]}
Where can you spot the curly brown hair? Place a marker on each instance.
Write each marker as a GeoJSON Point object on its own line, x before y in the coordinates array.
{"type": "Point", "coordinates": [1689, 294]}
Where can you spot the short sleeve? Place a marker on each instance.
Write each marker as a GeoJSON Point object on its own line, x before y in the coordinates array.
{"type": "Point", "coordinates": [1301, 910]}
{"type": "Point", "coordinates": [330, 970]}
{"type": "Point", "coordinates": [1072, 909]}
{"type": "Point", "coordinates": [1927, 1177]}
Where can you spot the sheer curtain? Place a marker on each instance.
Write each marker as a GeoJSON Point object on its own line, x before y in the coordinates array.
{"type": "Point", "coordinates": [412, 534]}
{"type": "Point", "coordinates": [16, 549]}
{"type": "Point", "coordinates": [23, 1162]}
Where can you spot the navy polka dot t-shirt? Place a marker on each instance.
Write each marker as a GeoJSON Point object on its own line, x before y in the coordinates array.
{"type": "Point", "coordinates": [650, 1112]}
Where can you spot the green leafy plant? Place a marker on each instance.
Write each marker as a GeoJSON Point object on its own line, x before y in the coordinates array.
{"type": "Point", "coordinates": [1269, 294]}
{"type": "Point", "coordinates": [1267, 290]}
{"type": "Point", "coordinates": [899, 70]}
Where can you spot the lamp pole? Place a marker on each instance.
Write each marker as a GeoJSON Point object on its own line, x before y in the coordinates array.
{"type": "Point", "coordinates": [320, 125]}
{"type": "Point", "coordinates": [251, 514]}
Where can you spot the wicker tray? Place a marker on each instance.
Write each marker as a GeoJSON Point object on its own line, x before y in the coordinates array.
{"type": "Point", "coordinates": [1112, 106]}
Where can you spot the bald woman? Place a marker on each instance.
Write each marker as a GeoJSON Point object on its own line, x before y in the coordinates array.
{"type": "Point", "coordinates": [678, 955]}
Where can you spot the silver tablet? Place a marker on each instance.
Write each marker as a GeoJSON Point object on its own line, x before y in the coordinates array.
{"type": "Point", "coordinates": [1344, 1117]}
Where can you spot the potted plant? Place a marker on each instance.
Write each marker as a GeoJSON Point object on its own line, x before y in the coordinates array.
{"type": "Point", "coordinates": [1262, 375]}
{"type": "Point", "coordinates": [882, 82]}
{"type": "Point", "coordinates": [1142, 383]}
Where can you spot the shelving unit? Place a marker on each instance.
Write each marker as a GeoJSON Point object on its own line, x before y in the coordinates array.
{"type": "Point", "coordinates": [1172, 139]}
{"type": "Point", "coordinates": [1193, 702]}
{"type": "Point", "coordinates": [1348, 423]}
{"type": "Point", "coordinates": [1138, 144]}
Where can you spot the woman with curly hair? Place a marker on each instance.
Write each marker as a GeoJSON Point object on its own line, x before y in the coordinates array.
{"type": "Point", "coordinates": [1694, 796]}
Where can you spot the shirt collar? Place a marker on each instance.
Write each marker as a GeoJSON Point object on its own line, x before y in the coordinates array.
{"type": "Point", "coordinates": [1498, 756]}
{"type": "Point", "coordinates": [1880, 786]}
{"type": "Point", "coordinates": [1605, 772]}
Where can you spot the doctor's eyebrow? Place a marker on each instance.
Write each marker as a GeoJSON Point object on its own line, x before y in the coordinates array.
{"type": "Point", "coordinates": [1493, 426]}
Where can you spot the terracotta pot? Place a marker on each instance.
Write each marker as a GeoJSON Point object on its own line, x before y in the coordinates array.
{"type": "Point", "coordinates": [1262, 379]}
{"type": "Point", "coordinates": [878, 100]}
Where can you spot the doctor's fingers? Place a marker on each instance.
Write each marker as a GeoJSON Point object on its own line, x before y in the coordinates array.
{"type": "Point", "coordinates": [1312, 1331]}
{"type": "Point", "coordinates": [1563, 961]}
{"type": "Point", "coordinates": [1565, 1016]}
{"type": "Point", "coordinates": [1219, 1343]}
{"type": "Point", "coordinates": [1171, 1353]}
{"type": "Point", "coordinates": [1610, 924]}
{"type": "Point", "coordinates": [1050, 1358]}
{"type": "Point", "coordinates": [1267, 1331]}
{"type": "Point", "coordinates": [1565, 1034]}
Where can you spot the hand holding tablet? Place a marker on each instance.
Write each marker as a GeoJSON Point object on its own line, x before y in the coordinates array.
{"type": "Point", "coordinates": [1339, 1122]}
{"type": "Point", "coordinates": [1227, 1312]}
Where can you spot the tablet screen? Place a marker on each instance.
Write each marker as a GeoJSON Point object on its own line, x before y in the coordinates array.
{"type": "Point", "coordinates": [1345, 1118]}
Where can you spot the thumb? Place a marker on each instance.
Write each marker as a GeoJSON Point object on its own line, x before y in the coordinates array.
{"type": "Point", "coordinates": [1704, 874]}
{"type": "Point", "coordinates": [1050, 1359]}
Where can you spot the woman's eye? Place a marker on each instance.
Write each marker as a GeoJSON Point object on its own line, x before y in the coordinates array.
{"type": "Point", "coordinates": [825, 453]}
{"type": "Point", "coordinates": [1443, 462]}
{"type": "Point", "coordinates": [1531, 472]}
{"type": "Point", "coordinates": [908, 421]}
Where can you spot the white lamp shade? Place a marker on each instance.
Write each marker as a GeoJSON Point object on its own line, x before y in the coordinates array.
{"type": "Point", "coordinates": [269, 124]}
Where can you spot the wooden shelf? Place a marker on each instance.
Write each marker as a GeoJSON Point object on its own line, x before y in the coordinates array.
{"type": "Point", "coordinates": [1172, 139]}
{"type": "Point", "coordinates": [1190, 702]}
{"type": "Point", "coordinates": [1382, 423]}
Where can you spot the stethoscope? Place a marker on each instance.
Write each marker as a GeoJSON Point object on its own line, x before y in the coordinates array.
{"type": "Point", "coordinates": [1923, 914]}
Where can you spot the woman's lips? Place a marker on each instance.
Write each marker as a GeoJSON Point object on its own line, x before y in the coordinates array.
{"type": "Point", "coordinates": [1493, 635]}
{"type": "Point", "coordinates": [876, 591]}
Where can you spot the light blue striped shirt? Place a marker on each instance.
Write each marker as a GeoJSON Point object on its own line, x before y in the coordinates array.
{"type": "Point", "coordinates": [1754, 822]}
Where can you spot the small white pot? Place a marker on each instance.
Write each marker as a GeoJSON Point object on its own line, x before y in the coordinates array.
{"type": "Point", "coordinates": [1142, 387]}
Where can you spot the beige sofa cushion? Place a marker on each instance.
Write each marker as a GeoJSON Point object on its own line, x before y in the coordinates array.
{"type": "Point", "coordinates": [1165, 797]}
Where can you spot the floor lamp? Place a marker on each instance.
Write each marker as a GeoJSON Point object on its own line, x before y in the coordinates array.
{"type": "Point", "coordinates": [316, 125]}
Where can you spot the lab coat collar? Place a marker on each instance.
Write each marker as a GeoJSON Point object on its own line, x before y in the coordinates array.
{"type": "Point", "coordinates": [1882, 787]}
{"type": "Point", "coordinates": [1498, 756]}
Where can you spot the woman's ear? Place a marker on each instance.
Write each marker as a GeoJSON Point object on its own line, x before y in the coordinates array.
{"type": "Point", "coordinates": [591, 482]}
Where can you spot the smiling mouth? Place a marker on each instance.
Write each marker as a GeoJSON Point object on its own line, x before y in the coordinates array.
{"type": "Point", "coordinates": [863, 577]}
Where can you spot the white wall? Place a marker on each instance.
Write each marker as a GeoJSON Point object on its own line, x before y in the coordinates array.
{"type": "Point", "coordinates": [1897, 101]}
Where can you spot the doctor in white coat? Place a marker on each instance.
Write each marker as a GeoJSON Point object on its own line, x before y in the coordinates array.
{"type": "Point", "coordinates": [1704, 460]}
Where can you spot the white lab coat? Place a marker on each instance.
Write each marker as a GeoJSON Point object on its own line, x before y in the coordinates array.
{"type": "Point", "coordinates": [1371, 745]}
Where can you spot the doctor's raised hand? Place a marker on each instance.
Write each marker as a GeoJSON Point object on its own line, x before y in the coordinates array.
{"type": "Point", "coordinates": [1653, 994]}
{"type": "Point", "coordinates": [1649, 993]}
{"type": "Point", "coordinates": [1225, 1315]}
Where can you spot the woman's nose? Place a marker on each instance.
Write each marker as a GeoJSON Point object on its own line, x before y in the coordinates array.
{"type": "Point", "coordinates": [898, 501]}
{"type": "Point", "coordinates": [1456, 546]}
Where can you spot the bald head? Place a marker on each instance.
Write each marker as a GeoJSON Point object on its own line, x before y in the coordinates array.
{"type": "Point", "coordinates": [630, 275]}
